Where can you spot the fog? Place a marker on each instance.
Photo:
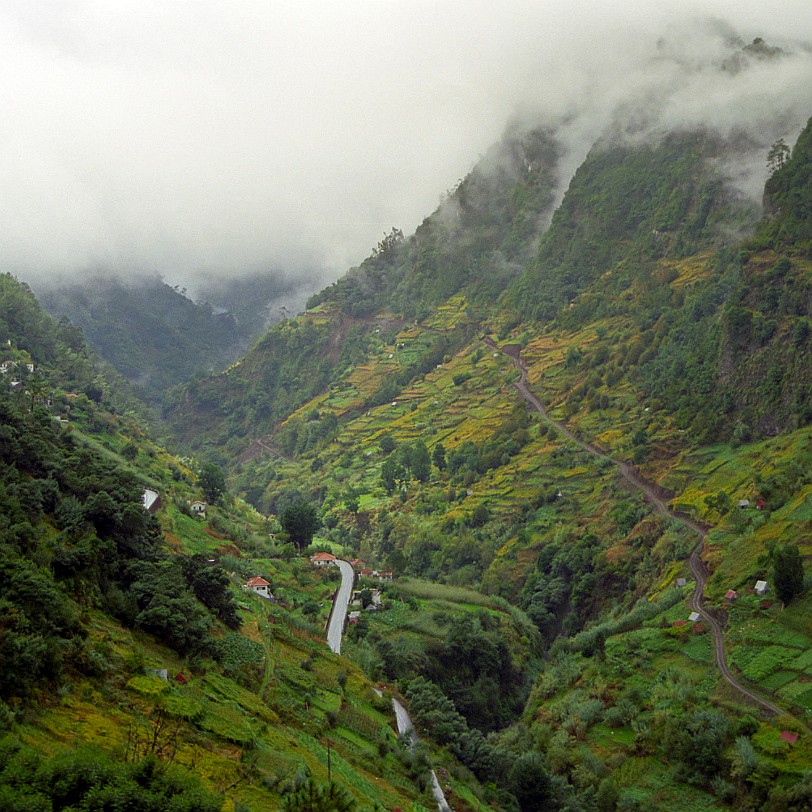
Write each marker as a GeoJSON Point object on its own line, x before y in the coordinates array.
{"type": "Point", "coordinates": [193, 139]}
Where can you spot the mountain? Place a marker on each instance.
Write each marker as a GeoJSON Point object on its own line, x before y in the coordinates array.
{"type": "Point", "coordinates": [155, 335]}
{"type": "Point", "coordinates": [554, 405]}
{"type": "Point", "coordinates": [570, 414]}
{"type": "Point", "coordinates": [136, 668]}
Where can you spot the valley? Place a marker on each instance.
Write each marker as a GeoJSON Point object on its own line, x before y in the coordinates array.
{"type": "Point", "coordinates": [559, 441]}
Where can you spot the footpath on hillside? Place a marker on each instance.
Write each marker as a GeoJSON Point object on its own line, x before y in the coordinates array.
{"type": "Point", "coordinates": [653, 494]}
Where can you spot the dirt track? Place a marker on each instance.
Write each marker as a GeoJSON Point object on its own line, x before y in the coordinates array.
{"type": "Point", "coordinates": [654, 495]}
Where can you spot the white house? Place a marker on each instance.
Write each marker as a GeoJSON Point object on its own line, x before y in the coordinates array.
{"type": "Point", "coordinates": [323, 559]}
{"type": "Point", "coordinates": [761, 587]}
{"type": "Point", "coordinates": [198, 508]}
{"type": "Point", "coordinates": [258, 585]}
{"type": "Point", "coordinates": [694, 617]}
{"type": "Point", "coordinates": [151, 500]}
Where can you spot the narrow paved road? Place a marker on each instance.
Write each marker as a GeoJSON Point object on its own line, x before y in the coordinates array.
{"type": "Point", "coordinates": [340, 603]}
{"type": "Point", "coordinates": [334, 632]}
{"type": "Point", "coordinates": [406, 727]}
{"type": "Point", "coordinates": [652, 494]}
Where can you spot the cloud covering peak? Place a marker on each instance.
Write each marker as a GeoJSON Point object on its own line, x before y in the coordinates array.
{"type": "Point", "coordinates": [196, 138]}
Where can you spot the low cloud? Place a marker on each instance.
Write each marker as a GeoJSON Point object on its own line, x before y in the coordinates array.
{"type": "Point", "coordinates": [195, 139]}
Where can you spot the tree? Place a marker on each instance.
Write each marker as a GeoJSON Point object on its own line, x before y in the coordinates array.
{"type": "Point", "coordinates": [300, 520]}
{"type": "Point", "coordinates": [777, 156]}
{"type": "Point", "coordinates": [438, 457]}
{"type": "Point", "coordinates": [313, 797]}
{"type": "Point", "coordinates": [212, 481]}
{"type": "Point", "coordinates": [392, 473]}
{"type": "Point", "coordinates": [788, 572]}
{"type": "Point", "coordinates": [419, 462]}
{"type": "Point", "coordinates": [529, 781]}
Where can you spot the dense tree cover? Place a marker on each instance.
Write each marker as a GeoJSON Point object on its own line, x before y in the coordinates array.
{"type": "Point", "coordinates": [74, 533]}
{"type": "Point", "coordinates": [285, 368]}
{"type": "Point", "coordinates": [788, 199]}
{"type": "Point", "coordinates": [56, 348]}
{"type": "Point", "coordinates": [637, 201]}
{"type": "Point", "coordinates": [151, 333]}
{"type": "Point", "coordinates": [788, 572]}
{"type": "Point", "coordinates": [409, 461]}
{"type": "Point", "coordinates": [94, 780]}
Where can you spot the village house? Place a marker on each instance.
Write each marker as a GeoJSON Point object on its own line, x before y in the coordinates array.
{"type": "Point", "coordinates": [357, 564]}
{"type": "Point", "coordinates": [198, 508]}
{"type": "Point", "coordinates": [151, 500]}
{"type": "Point", "coordinates": [383, 575]}
{"type": "Point", "coordinates": [680, 582]}
{"type": "Point", "coordinates": [744, 503]}
{"type": "Point", "coordinates": [731, 595]}
{"type": "Point", "coordinates": [761, 588]}
{"type": "Point", "coordinates": [323, 560]}
{"type": "Point", "coordinates": [259, 586]}
{"type": "Point", "coordinates": [375, 601]}
{"type": "Point", "coordinates": [694, 617]}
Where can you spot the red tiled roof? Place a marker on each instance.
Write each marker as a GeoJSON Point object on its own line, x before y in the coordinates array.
{"type": "Point", "coordinates": [789, 737]}
{"type": "Point", "coordinates": [323, 557]}
{"type": "Point", "coordinates": [257, 580]}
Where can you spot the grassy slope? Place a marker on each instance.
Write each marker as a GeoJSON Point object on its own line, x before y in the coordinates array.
{"type": "Point", "coordinates": [766, 645]}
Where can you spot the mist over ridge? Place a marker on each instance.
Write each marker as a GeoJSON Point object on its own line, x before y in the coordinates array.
{"type": "Point", "coordinates": [213, 144]}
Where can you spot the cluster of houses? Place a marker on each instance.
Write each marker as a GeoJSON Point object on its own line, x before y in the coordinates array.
{"type": "Point", "coordinates": [8, 368]}
{"type": "Point", "coordinates": [760, 588]}
{"type": "Point", "coordinates": [328, 559]}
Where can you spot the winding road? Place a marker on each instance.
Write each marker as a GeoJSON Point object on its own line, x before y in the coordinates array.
{"type": "Point", "coordinates": [335, 628]}
{"type": "Point", "coordinates": [653, 495]}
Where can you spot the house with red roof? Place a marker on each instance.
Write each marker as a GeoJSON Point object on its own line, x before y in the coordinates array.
{"type": "Point", "coordinates": [259, 586]}
{"type": "Point", "coordinates": [323, 560]}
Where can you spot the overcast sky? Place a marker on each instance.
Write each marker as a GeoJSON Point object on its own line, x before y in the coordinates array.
{"type": "Point", "coordinates": [193, 137]}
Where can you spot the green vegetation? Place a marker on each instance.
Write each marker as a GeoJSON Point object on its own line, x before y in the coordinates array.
{"type": "Point", "coordinates": [477, 408]}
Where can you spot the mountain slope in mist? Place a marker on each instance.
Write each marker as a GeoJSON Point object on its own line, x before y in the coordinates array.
{"type": "Point", "coordinates": [156, 335]}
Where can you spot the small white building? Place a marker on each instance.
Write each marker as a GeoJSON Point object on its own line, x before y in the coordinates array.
{"type": "Point", "coordinates": [198, 508]}
{"type": "Point", "coordinates": [761, 587]}
{"type": "Point", "coordinates": [258, 585]}
{"type": "Point", "coordinates": [323, 560]}
{"type": "Point", "coordinates": [694, 617]}
{"type": "Point", "coordinates": [151, 500]}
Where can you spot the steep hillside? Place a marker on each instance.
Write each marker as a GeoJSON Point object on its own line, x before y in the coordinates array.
{"type": "Point", "coordinates": [637, 202]}
{"type": "Point", "coordinates": [666, 356]}
{"type": "Point", "coordinates": [154, 334]}
{"type": "Point", "coordinates": [136, 669]}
